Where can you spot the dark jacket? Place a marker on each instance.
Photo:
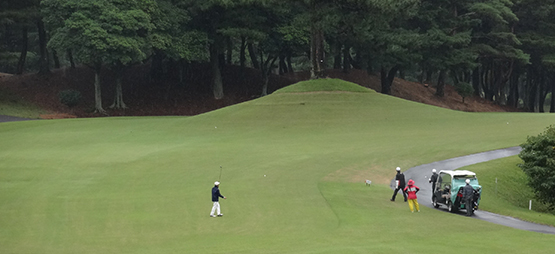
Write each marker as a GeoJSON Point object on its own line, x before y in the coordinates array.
{"type": "Point", "coordinates": [216, 194]}
{"type": "Point", "coordinates": [433, 179]}
{"type": "Point", "coordinates": [468, 192]}
{"type": "Point", "coordinates": [401, 178]}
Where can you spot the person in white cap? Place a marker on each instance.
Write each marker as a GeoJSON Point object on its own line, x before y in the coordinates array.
{"type": "Point", "coordinates": [399, 184]}
{"type": "Point", "coordinates": [215, 199]}
{"type": "Point", "coordinates": [433, 180]}
{"type": "Point", "coordinates": [468, 196]}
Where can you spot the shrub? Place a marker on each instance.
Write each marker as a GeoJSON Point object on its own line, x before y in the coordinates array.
{"type": "Point", "coordinates": [70, 97]}
{"type": "Point", "coordinates": [538, 155]}
{"type": "Point", "coordinates": [464, 89]}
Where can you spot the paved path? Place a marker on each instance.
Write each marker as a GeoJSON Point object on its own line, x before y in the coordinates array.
{"type": "Point", "coordinates": [420, 175]}
{"type": "Point", "coordinates": [11, 119]}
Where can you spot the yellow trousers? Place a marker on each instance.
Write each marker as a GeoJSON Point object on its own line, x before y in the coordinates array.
{"type": "Point", "coordinates": [412, 204]}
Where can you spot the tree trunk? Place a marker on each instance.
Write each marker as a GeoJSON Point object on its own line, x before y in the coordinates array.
{"type": "Point", "coordinates": [512, 100]}
{"type": "Point", "coordinates": [552, 106]}
{"type": "Point", "coordinates": [316, 42]}
{"type": "Point", "coordinates": [542, 93]}
{"type": "Point", "coordinates": [282, 65]}
{"type": "Point", "coordinates": [242, 57]}
{"type": "Point", "coordinates": [476, 81]}
{"type": "Point", "coordinates": [369, 69]}
{"type": "Point", "coordinates": [252, 54]}
{"type": "Point", "coordinates": [24, 48]}
{"type": "Point", "coordinates": [346, 59]}
{"type": "Point", "coordinates": [387, 79]}
{"type": "Point", "coordinates": [156, 66]}
{"type": "Point", "coordinates": [56, 59]}
{"type": "Point", "coordinates": [532, 92]}
{"type": "Point", "coordinates": [265, 70]}
{"type": "Point", "coordinates": [43, 57]}
{"type": "Point", "coordinates": [337, 56]}
{"type": "Point", "coordinates": [229, 52]}
{"type": "Point", "coordinates": [289, 64]}
{"type": "Point", "coordinates": [118, 98]}
{"type": "Point", "coordinates": [429, 77]}
{"type": "Point", "coordinates": [217, 85]}
{"type": "Point", "coordinates": [97, 90]}
{"type": "Point", "coordinates": [70, 57]}
{"type": "Point", "coordinates": [440, 88]}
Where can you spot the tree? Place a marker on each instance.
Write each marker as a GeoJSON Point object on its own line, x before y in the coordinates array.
{"type": "Point", "coordinates": [494, 40]}
{"type": "Point", "coordinates": [464, 90]}
{"type": "Point", "coordinates": [22, 15]}
{"type": "Point", "coordinates": [102, 32]}
{"type": "Point", "coordinates": [445, 28]}
{"type": "Point", "coordinates": [538, 156]}
{"type": "Point", "coordinates": [535, 31]}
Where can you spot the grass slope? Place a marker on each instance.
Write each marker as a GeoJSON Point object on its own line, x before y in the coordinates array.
{"type": "Point", "coordinates": [12, 105]}
{"type": "Point", "coordinates": [141, 185]}
{"type": "Point", "coordinates": [510, 195]}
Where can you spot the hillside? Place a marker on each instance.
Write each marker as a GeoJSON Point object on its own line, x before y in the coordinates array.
{"type": "Point", "coordinates": [294, 165]}
{"type": "Point", "coordinates": [193, 96]}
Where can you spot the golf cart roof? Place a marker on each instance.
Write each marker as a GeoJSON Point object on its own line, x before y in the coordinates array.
{"type": "Point", "coordinates": [458, 172]}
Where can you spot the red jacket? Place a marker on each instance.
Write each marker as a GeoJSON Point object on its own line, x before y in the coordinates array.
{"type": "Point", "coordinates": [411, 190]}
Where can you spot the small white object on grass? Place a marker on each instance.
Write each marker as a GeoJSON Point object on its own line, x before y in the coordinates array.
{"type": "Point", "coordinates": [368, 182]}
{"type": "Point", "coordinates": [264, 175]}
{"type": "Point", "coordinates": [215, 127]}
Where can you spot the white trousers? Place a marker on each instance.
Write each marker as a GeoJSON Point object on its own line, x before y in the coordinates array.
{"type": "Point", "coordinates": [215, 207]}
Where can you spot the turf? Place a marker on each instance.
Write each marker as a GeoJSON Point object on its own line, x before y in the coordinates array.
{"type": "Point", "coordinates": [142, 185]}
{"type": "Point", "coordinates": [12, 105]}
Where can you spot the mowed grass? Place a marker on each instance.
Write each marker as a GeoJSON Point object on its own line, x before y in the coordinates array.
{"type": "Point", "coordinates": [510, 195]}
{"type": "Point", "coordinates": [142, 185]}
{"type": "Point", "coordinates": [12, 105]}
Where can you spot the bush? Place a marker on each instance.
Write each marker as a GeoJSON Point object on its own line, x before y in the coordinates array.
{"type": "Point", "coordinates": [464, 89]}
{"type": "Point", "coordinates": [70, 97]}
{"type": "Point", "coordinates": [538, 155]}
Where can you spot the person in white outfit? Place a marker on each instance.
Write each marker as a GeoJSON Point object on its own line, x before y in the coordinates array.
{"type": "Point", "coordinates": [215, 198]}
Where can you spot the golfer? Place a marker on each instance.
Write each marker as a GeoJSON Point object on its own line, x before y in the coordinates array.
{"type": "Point", "coordinates": [399, 184]}
{"type": "Point", "coordinates": [433, 180]}
{"type": "Point", "coordinates": [215, 198]}
{"type": "Point", "coordinates": [411, 190]}
{"type": "Point", "coordinates": [468, 196]}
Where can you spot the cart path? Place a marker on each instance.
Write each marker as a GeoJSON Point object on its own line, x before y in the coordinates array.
{"type": "Point", "coordinates": [420, 175]}
{"type": "Point", "coordinates": [11, 119]}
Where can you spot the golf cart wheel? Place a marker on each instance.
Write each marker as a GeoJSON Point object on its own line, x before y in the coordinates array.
{"type": "Point", "coordinates": [434, 202]}
{"type": "Point", "coordinates": [450, 207]}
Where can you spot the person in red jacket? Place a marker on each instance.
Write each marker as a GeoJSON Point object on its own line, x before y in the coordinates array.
{"type": "Point", "coordinates": [411, 191]}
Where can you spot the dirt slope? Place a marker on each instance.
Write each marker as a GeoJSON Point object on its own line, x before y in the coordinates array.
{"type": "Point", "coordinates": [193, 96]}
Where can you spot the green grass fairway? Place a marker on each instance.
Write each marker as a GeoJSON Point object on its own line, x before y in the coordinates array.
{"type": "Point", "coordinates": [142, 185]}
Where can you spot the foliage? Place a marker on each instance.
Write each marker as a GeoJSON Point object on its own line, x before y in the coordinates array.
{"type": "Point", "coordinates": [464, 89]}
{"type": "Point", "coordinates": [70, 97]}
{"type": "Point", "coordinates": [101, 31]}
{"type": "Point", "coordinates": [538, 155]}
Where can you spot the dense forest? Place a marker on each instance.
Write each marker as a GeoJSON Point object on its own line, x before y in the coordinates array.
{"type": "Point", "coordinates": [501, 50]}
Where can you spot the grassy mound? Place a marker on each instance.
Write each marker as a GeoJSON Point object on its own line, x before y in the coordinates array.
{"type": "Point", "coordinates": [294, 166]}
{"type": "Point", "coordinates": [324, 85]}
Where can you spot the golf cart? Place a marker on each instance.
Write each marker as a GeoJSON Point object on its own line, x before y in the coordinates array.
{"type": "Point", "coordinates": [449, 189]}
